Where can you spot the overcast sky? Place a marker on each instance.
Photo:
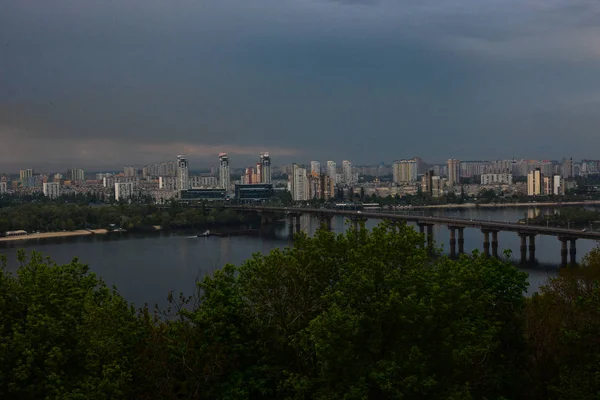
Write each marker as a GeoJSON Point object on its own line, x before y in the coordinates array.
{"type": "Point", "coordinates": [103, 83]}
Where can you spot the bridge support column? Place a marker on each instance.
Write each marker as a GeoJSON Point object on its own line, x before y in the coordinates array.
{"type": "Point", "coordinates": [573, 252]}
{"type": "Point", "coordinates": [461, 240]}
{"type": "Point", "coordinates": [291, 226]}
{"type": "Point", "coordinates": [298, 226]}
{"type": "Point", "coordinates": [563, 251]}
{"type": "Point", "coordinates": [429, 235]}
{"type": "Point", "coordinates": [486, 243]}
{"type": "Point", "coordinates": [523, 248]}
{"type": "Point", "coordinates": [495, 244]}
{"type": "Point", "coordinates": [452, 242]}
{"type": "Point", "coordinates": [532, 248]}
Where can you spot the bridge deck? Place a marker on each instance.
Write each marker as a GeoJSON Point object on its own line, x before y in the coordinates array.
{"type": "Point", "coordinates": [458, 222]}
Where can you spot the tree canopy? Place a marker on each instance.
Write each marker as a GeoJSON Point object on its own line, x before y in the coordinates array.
{"type": "Point", "coordinates": [363, 315]}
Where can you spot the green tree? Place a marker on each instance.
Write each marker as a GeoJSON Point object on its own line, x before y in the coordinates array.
{"type": "Point", "coordinates": [63, 334]}
{"type": "Point", "coordinates": [563, 322]}
{"type": "Point", "coordinates": [366, 315]}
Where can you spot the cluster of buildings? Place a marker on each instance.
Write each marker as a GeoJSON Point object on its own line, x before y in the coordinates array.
{"type": "Point", "coordinates": [172, 179]}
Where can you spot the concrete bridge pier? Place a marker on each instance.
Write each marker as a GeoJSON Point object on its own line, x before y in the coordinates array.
{"type": "Point", "coordinates": [523, 248]}
{"type": "Point", "coordinates": [461, 240]}
{"type": "Point", "coordinates": [294, 222]}
{"type": "Point", "coordinates": [532, 248]}
{"type": "Point", "coordinates": [452, 241]}
{"type": "Point", "coordinates": [486, 242]}
{"type": "Point", "coordinates": [495, 244]}
{"type": "Point", "coordinates": [563, 251]}
{"type": "Point", "coordinates": [429, 236]}
{"type": "Point", "coordinates": [573, 251]}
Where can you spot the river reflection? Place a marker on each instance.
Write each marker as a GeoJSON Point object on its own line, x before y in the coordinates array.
{"type": "Point", "coordinates": [146, 267]}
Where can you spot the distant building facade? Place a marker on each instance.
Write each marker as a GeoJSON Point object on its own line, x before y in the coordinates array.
{"type": "Point", "coordinates": [497, 179]}
{"type": "Point", "coordinates": [124, 191]}
{"type": "Point", "coordinates": [51, 189]}
{"type": "Point", "coordinates": [534, 182]}
{"type": "Point", "coordinates": [453, 172]}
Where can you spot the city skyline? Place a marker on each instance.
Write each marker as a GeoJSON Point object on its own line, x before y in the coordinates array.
{"type": "Point", "coordinates": [96, 83]}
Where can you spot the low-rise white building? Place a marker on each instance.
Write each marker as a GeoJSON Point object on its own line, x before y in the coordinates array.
{"type": "Point", "coordinates": [124, 190]}
{"type": "Point", "coordinates": [499, 179]}
{"type": "Point", "coordinates": [51, 189]}
{"type": "Point", "coordinates": [167, 182]}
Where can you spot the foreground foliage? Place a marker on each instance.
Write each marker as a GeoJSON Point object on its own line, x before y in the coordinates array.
{"type": "Point", "coordinates": [365, 315]}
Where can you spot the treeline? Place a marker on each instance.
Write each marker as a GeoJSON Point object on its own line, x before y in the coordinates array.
{"type": "Point", "coordinates": [365, 315]}
{"type": "Point", "coordinates": [56, 217]}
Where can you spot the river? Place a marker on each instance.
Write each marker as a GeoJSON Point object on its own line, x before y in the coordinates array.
{"type": "Point", "coordinates": [145, 267]}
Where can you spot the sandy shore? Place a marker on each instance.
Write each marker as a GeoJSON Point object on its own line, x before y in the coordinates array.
{"type": "Point", "coordinates": [47, 235]}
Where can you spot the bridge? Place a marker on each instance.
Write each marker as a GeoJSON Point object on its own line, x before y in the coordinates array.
{"type": "Point", "coordinates": [455, 225]}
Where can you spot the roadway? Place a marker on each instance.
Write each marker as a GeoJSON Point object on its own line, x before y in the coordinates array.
{"type": "Point", "coordinates": [435, 220]}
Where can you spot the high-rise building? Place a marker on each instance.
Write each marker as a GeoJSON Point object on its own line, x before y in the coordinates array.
{"type": "Point", "coordinates": [327, 187]}
{"type": "Point", "coordinates": [315, 167]}
{"type": "Point", "coordinates": [534, 182]}
{"type": "Point", "coordinates": [427, 182]}
{"type": "Point", "coordinates": [26, 176]}
{"type": "Point", "coordinates": [130, 171]}
{"type": "Point", "coordinates": [77, 174]}
{"type": "Point", "coordinates": [124, 190]}
{"type": "Point", "coordinates": [557, 185]}
{"type": "Point", "coordinates": [25, 173]}
{"type": "Point", "coordinates": [265, 168]}
{"type": "Point", "coordinates": [299, 185]}
{"type": "Point", "coordinates": [51, 189]}
{"type": "Point", "coordinates": [405, 171]}
{"type": "Point", "coordinates": [2, 188]}
{"type": "Point", "coordinates": [453, 172]}
{"type": "Point", "coordinates": [332, 170]}
{"type": "Point", "coordinates": [567, 168]}
{"type": "Point", "coordinates": [183, 174]}
{"type": "Point", "coordinates": [347, 172]}
{"type": "Point", "coordinates": [224, 175]}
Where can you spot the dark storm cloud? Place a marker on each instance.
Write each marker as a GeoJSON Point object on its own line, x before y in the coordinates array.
{"type": "Point", "coordinates": [131, 81]}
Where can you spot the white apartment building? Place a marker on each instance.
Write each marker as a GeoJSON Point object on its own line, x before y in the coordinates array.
{"type": "Point", "coordinates": [315, 167]}
{"type": "Point", "coordinates": [202, 182]}
{"type": "Point", "coordinates": [2, 188]}
{"type": "Point", "coordinates": [182, 172]}
{"type": "Point", "coordinates": [496, 179]}
{"type": "Point", "coordinates": [124, 191]}
{"type": "Point", "coordinates": [558, 185]}
{"type": "Point", "coordinates": [77, 174]}
{"type": "Point", "coordinates": [299, 185]}
{"type": "Point", "coordinates": [167, 182]}
{"type": "Point", "coordinates": [332, 170]}
{"type": "Point", "coordinates": [224, 174]}
{"type": "Point", "coordinates": [347, 172]}
{"type": "Point", "coordinates": [405, 171]}
{"type": "Point", "coordinates": [51, 189]}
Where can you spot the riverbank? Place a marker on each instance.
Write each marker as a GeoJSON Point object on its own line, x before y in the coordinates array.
{"type": "Point", "coordinates": [47, 235]}
{"type": "Point", "coordinates": [505, 205]}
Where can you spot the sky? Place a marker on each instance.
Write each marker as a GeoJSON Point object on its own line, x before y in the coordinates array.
{"type": "Point", "coordinates": [102, 84]}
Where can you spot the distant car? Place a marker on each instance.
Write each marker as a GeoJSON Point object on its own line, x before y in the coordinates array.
{"type": "Point", "coordinates": [359, 212]}
{"type": "Point", "coordinates": [583, 230]}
